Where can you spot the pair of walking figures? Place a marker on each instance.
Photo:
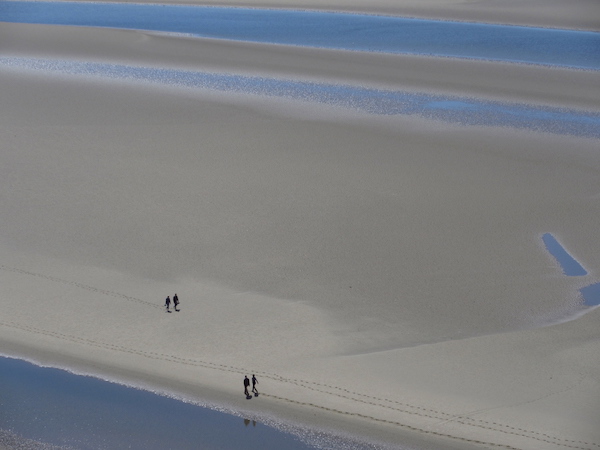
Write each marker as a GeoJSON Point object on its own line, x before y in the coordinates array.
{"type": "Point", "coordinates": [175, 302]}
{"type": "Point", "coordinates": [247, 385]}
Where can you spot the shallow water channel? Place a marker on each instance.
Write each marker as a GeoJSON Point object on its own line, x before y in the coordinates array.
{"type": "Point", "coordinates": [359, 32]}
{"type": "Point", "coordinates": [54, 407]}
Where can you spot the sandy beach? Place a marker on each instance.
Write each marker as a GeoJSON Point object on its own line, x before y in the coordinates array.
{"type": "Point", "coordinates": [383, 276]}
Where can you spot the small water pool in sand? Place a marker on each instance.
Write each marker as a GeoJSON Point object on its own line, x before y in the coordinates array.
{"type": "Point", "coordinates": [569, 265]}
{"type": "Point", "coordinates": [591, 295]}
{"type": "Point", "coordinates": [572, 268]}
{"type": "Point", "coordinates": [359, 32]}
{"type": "Point", "coordinates": [54, 407]}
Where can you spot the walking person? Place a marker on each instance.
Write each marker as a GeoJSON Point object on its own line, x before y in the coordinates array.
{"type": "Point", "coordinates": [175, 302]}
{"type": "Point", "coordinates": [254, 383]}
{"type": "Point", "coordinates": [168, 303]}
{"type": "Point", "coordinates": [246, 384]}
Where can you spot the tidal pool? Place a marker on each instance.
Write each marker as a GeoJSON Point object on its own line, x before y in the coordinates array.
{"type": "Point", "coordinates": [572, 268]}
{"type": "Point", "coordinates": [569, 265]}
{"type": "Point", "coordinates": [591, 294]}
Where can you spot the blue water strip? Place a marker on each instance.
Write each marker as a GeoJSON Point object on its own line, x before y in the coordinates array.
{"type": "Point", "coordinates": [591, 295]}
{"type": "Point", "coordinates": [359, 32]}
{"type": "Point", "coordinates": [569, 265]}
{"type": "Point", "coordinates": [460, 110]}
{"type": "Point", "coordinates": [571, 268]}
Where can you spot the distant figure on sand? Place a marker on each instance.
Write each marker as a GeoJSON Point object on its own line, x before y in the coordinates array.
{"type": "Point", "coordinates": [175, 302]}
{"type": "Point", "coordinates": [246, 385]}
{"type": "Point", "coordinates": [254, 383]}
{"type": "Point", "coordinates": [168, 303]}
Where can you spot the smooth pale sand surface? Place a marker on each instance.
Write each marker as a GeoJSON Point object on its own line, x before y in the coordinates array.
{"type": "Point", "coordinates": [383, 276]}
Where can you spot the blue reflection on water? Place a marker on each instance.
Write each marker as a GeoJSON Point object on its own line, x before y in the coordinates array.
{"type": "Point", "coordinates": [373, 101]}
{"type": "Point", "coordinates": [591, 294]}
{"type": "Point", "coordinates": [568, 264]}
{"type": "Point", "coordinates": [57, 407]}
{"type": "Point", "coordinates": [580, 49]}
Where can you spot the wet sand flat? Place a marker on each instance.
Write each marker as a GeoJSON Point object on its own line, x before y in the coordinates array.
{"type": "Point", "coordinates": [383, 275]}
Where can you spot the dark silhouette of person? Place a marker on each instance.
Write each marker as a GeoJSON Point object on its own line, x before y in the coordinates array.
{"type": "Point", "coordinates": [168, 303]}
{"type": "Point", "coordinates": [254, 383]}
{"type": "Point", "coordinates": [175, 302]}
{"type": "Point", "coordinates": [246, 384]}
